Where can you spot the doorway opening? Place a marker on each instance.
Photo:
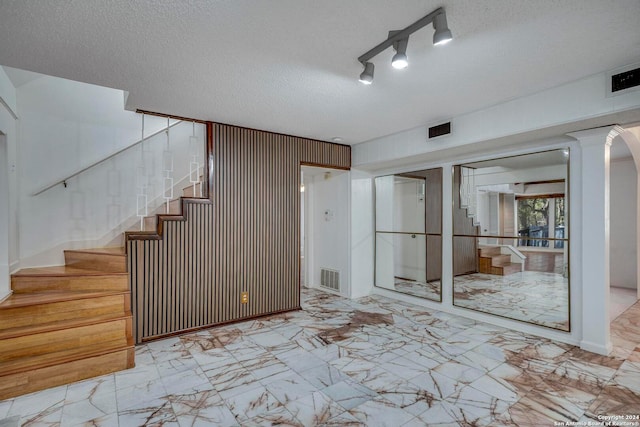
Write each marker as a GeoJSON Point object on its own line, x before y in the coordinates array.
{"type": "Point", "coordinates": [623, 211]}
{"type": "Point", "coordinates": [324, 229]}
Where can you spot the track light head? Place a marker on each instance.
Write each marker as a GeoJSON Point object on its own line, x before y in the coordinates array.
{"type": "Point", "coordinates": [443, 33]}
{"type": "Point", "coordinates": [367, 75]}
{"type": "Point", "coordinates": [400, 59]}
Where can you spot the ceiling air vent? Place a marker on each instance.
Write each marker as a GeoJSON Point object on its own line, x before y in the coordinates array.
{"type": "Point", "coordinates": [439, 130]}
{"type": "Point", "coordinates": [625, 80]}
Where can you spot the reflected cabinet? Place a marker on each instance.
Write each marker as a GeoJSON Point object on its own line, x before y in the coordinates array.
{"type": "Point", "coordinates": [511, 237]}
{"type": "Point", "coordinates": [408, 210]}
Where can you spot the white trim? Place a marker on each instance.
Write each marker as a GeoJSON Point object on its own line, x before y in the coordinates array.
{"type": "Point", "coordinates": [9, 109]}
{"type": "Point", "coordinates": [597, 348]}
{"type": "Point", "coordinates": [6, 297]}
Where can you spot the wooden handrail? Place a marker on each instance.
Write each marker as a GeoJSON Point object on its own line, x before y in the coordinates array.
{"type": "Point", "coordinates": [73, 175]}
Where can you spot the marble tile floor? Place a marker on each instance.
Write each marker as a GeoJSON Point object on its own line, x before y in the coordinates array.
{"type": "Point", "coordinates": [529, 296]}
{"type": "Point", "coordinates": [367, 362]}
{"type": "Point", "coordinates": [429, 290]}
{"type": "Point", "coordinates": [620, 300]}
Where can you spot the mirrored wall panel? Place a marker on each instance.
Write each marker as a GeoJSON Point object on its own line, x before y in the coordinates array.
{"type": "Point", "coordinates": [409, 233]}
{"type": "Point", "coordinates": [511, 237]}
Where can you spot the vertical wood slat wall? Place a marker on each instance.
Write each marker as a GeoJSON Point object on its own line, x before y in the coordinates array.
{"type": "Point", "coordinates": [433, 222]}
{"type": "Point", "coordinates": [465, 249]}
{"type": "Point", "coordinates": [246, 240]}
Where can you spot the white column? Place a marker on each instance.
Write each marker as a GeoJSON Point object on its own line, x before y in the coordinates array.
{"type": "Point", "coordinates": [362, 233]}
{"type": "Point", "coordinates": [447, 235]}
{"type": "Point", "coordinates": [594, 242]}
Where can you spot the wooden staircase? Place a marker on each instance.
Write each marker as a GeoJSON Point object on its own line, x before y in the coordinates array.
{"type": "Point", "coordinates": [66, 323]}
{"type": "Point", "coordinates": [491, 261]}
{"type": "Point", "coordinates": [175, 206]}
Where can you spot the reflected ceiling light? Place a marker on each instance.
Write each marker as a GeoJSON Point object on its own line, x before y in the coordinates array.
{"type": "Point", "coordinates": [400, 59]}
{"type": "Point", "coordinates": [367, 75]}
{"type": "Point", "coordinates": [399, 40]}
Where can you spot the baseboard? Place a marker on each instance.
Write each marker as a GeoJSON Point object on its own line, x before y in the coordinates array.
{"type": "Point", "coordinates": [14, 266]}
{"type": "Point", "coordinates": [605, 350]}
{"type": "Point", "coordinates": [4, 297]}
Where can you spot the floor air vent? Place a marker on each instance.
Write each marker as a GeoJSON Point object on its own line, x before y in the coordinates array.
{"type": "Point", "coordinates": [330, 279]}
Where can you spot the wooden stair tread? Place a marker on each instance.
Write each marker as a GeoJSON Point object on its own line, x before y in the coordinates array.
{"type": "Point", "coordinates": [66, 323]}
{"type": "Point", "coordinates": [60, 324]}
{"type": "Point", "coordinates": [58, 358]}
{"type": "Point", "coordinates": [16, 384]}
{"type": "Point", "coordinates": [46, 297]}
{"type": "Point", "coordinates": [63, 270]}
{"type": "Point", "coordinates": [116, 251]}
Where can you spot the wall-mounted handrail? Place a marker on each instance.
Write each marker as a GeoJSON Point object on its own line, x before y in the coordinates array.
{"type": "Point", "coordinates": [73, 175]}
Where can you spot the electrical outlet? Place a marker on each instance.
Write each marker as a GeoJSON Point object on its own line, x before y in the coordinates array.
{"type": "Point", "coordinates": [244, 297]}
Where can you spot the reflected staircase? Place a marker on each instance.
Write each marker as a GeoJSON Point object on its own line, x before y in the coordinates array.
{"type": "Point", "coordinates": [72, 322]}
{"type": "Point", "coordinates": [492, 261]}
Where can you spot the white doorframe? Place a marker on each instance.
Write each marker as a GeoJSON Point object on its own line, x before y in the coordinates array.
{"type": "Point", "coordinates": [5, 283]}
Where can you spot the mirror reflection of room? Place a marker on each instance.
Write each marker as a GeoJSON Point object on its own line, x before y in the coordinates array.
{"type": "Point", "coordinates": [511, 239]}
{"type": "Point", "coordinates": [409, 233]}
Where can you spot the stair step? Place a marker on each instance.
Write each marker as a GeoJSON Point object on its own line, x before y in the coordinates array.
{"type": "Point", "coordinates": [510, 268]}
{"type": "Point", "coordinates": [68, 279]}
{"type": "Point", "coordinates": [64, 371]}
{"type": "Point", "coordinates": [30, 309]}
{"type": "Point", "coordinates": [174, 208]}
{"type": "Point", "coordinates": [58, 325]}
{"type": "Point", "coordinates": [35, 348]}
{"type": "Point", "coordinates": [189, 191]}
{"type": "Point", "coordinates": [104, 259]}
{"type": "Point", "coordinates": [500, 260]}
{"type": "Point", "coordinates": [488, 251]}
{"type": "Point", "coordinates": [150, 223]}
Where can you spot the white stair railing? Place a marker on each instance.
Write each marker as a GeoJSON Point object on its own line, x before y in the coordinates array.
{"type": "Point", "coordinates": [468, 193]}
{"type": "Point", "coordinates": [194, 165]}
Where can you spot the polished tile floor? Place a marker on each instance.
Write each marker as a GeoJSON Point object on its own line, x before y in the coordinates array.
{"type": "Point", "coordinates": [429, 290]}
{"type": "Point", "coordinates": [529, 296]}
{"type": "Point", "coordinates": [367, 362]}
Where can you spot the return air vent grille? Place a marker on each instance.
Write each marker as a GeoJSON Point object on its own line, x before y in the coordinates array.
{"type": "Point", "coordinates": [625, 80]}
{"type": "Point", "coordinates": [439, 130]}
{"type": "Point", "coordinates": [330, 279]}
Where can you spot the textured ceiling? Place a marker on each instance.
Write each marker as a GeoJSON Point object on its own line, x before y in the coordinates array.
{"type": "Point", "coordinates": [290, 65]}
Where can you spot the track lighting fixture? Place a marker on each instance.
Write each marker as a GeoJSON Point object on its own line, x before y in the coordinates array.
{"type": "Point", "coordinates": [443, 33]}
{"type": "Point", "coordinates": [400, 59]}
{"type": "Point", "coordinates": [400, 39]}
{"type": "Point", "coordinates": [367, 75]}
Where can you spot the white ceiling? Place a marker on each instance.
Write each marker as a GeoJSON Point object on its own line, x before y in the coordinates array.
{"type": "Point", "coordinates": [290, 65]}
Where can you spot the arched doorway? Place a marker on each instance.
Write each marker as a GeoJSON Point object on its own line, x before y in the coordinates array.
{"type": "Point", "coordinates": [623, 249]}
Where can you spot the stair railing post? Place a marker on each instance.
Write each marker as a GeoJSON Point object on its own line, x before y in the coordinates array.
{"type": "Point", "coordinates": [141, 184]}
{"type": "Point", "coordinates": [167, 167]}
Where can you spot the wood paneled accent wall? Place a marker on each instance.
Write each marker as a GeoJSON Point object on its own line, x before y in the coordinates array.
{"type": "Point", "coordinates": [465, 249]}
{"type": "Point", "coordinates": [246, 240]}
{"type": "Point", "coordinates": [433, 222]}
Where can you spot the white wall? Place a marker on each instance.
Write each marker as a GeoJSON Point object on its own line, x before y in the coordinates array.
{"type": "Point", "coordinates": [64, 127]}
{"type": "Point", "coordinates": [362, 233]}
{"type": "Point", "coordinates": [623, 230]}
{"type": "Point", "coordinates": [512, 122]}
{"type": "Point", "coordinates": [410, 258]}
{"type": "Point", "coordinates": [9, 248]}
{"type": "Point", "coordinates": [330, 222]}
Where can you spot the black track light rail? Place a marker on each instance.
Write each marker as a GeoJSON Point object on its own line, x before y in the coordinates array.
{"type": "Point", "coordinates": [396, 36]}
